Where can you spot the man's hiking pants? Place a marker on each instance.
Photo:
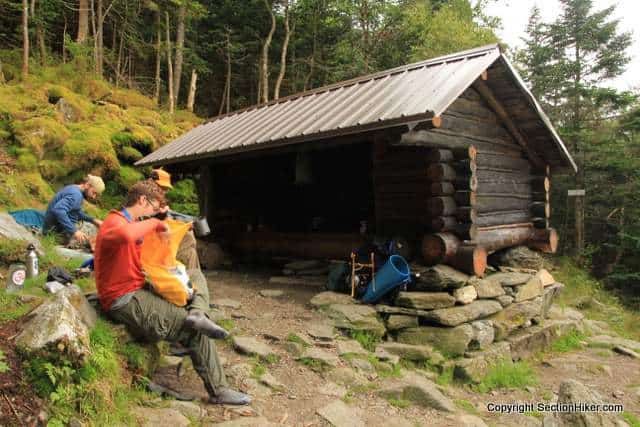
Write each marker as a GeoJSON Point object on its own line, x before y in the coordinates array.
{"type": "Point", "coordinates": [151, 318]}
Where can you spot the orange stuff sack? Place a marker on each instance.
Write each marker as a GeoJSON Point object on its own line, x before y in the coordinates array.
{"type": "Point", "coordinates": [167, 276]}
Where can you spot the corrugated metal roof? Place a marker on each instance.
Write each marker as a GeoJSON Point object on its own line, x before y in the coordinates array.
{"type": "Point", "coordinates": [405, 94]}
{"type": "Point", "coordinates": [411, 93]}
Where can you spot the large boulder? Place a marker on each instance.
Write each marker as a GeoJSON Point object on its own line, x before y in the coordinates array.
{"type": "Point", "coordinates": [395, 322]}
{"type": "Point", "coordinates": [419, 390]}
{"type": "Point", "coordinates": [10, 229]}
{"type": "Point", "coordinates": [574, 392]}
{"type": "Point", "coordinates": [319, 355]}
{"type": "Point", "coordinates": [528, 342]}
{"type": "Point", "coordinates": [455, 316]}
{"type": "Point", "coordinates": [61, 323]}
{"type": "Point", "coordinates": [517, 257]}
{"type": "Point", "coordinates": [451, 341]}
{"type": "Point", "coordinates": [476, 366]}
{"type": "Point", "coordinates": [425, 300]}
{"type": "Point", "coordinates": [339, 414]}
{"type": "Point", "coordinates": [327, 298]}
{"type": "Point", "coordinates": [252, 347]}
{"type": "Point", "coordinates": [438, 277]}
{"type": "Point", "coordinates": [356, 318]}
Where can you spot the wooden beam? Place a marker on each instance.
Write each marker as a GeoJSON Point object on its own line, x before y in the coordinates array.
{"type": "Point", "coordinates": [507, 120]}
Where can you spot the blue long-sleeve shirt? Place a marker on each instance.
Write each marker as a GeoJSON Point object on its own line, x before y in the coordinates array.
{"type": "Point", "coordinates": [65, 210]}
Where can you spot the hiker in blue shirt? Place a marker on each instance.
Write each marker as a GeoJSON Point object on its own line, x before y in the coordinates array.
{"type": "Point", "coordinates": [65, 209]}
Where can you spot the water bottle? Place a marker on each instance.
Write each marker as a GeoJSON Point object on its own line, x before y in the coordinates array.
{"type": "Point", "coordinates": [32, 262]}
{"type": "Point", "coordinates": [17, 275]}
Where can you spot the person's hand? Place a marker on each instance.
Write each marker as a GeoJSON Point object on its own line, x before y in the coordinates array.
{"type": "Point", "coordinates": [97, 222]}
{"type": "Point", "coordinates": [80, 236]}
{"type": "Point", "coordinates": [164, 209]}
{"type": "Point", "coordinates": [163, 230]}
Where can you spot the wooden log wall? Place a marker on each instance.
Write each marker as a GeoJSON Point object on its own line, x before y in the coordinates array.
{"type": "Point", "coordinates": [497, 196]}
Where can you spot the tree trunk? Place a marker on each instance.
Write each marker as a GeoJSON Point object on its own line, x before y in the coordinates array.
{"type": "Point", "coordinates": [156, 92]}
{"type": "Point", "coordinates": [182, 11]}
{"type": "Point", "coordinates": [64, 42]}
{"type": "Point", "coordinates": [100, 40]}
{"type": "Point", "coordinates": [169, 65]}
{"type": "Point", "coordinates": [228, 80]}
{"type": "Point", "coordinates": [95, 37]}
{"type": "Point", "coordinates": [192, 91]}
{"type": "Point", "coordinates": [2, 80]}
{"type": "Point", "coordinates": [264, 64]}
{"type": "Point", "coordinates": [283, 54]}
{"type": "Point", "coordinates": [119, 66]}
{"type": "Point", "coordinates": [312, 59]}
{"type": "Point", "coordinates": [25, 39]}
{"type": "Point", "coordinates": [83, 21]}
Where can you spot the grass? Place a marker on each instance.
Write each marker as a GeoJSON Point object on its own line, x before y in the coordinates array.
{"type": "Point", "coordinates": [12, 307]}
{"type": "Point", "coordinates": [258, 371]}
{"type": "Point", "coordinates": [631, 419]}
{"type": "Point", "coordinates": [466, 406]}
{"type": "Point", "coordinates": [226, 324]}
{"type": "Point", "coordinates": [597, 302]}
{"type": "Point", "coordinates": [507, 375]}
{"type": "Point", "coordinates": [569, 342]}
{"type": "Point", "coordinates": [367, 340]}
{"type": "Point", "coordinates": [296, 339]}
{"type": "Point", "coordinates": [314, 364]}
{"type": "Point", "coordinates": [399, 403]}
{"type": "Point", "coordinates": [536, 414]}
{"type": "Point", "coordinates": [3, 365]}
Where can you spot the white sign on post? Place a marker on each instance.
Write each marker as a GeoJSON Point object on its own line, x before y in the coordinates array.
{"type": "Point", "coordinates": [575, 192]}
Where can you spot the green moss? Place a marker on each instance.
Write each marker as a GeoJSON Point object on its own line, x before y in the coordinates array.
{"type": "Point", "coordinates": [296, 339]}
{"type": "Point", "coordinates": [40, 134]}
{"type": "Point", "coordinates": [3, 365]}
{"type": "Point", "coordinates": [183, 197]}
{"type": "Point", "coordinates": [12, 307]}
{"type": "Point", "coordinates": [53, 169]}
{"type": "Point", "coordinates": [466, 406]}
{"type": "Point", "coordinates": [26, 161]}
{"type": "Point", "coordinates": [399, 403]}
{"type": "Point", "coordinates": [129, 98]}
{"type": "Point", "coordinates": [129, 155]}
{"type": "Point", "coordinates": [90, 150]}
{"type": "Point", "coordinates": [12, 250]}
{"type": "Point", "coordinates": [24, 190]}
{"type": "Point", "coordinates": [127, 176]}
{"type": "Point", "coordinates": [631, 419]}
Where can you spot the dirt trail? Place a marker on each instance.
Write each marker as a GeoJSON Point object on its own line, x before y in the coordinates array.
{"type": "Point", "coordinates": [272, 319]}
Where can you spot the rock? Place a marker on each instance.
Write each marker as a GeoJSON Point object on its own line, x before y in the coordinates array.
{"type": "Point", "coordinates": [461, 314]}
{"type": "Point", "coordinates": [518, 257]}
{"type": "Point", "coordinates": [328, 298]}
{"type": "Point", "coordinates": [465, 295]}
{"type": "Point", "coordinates": [572, 391]}
{"type": "Point", "coordinates": [391, 309]}
{"type": "Point", "coordinates": [396, 322]}
{"type": "Point", "coordinates": [483, 334]}
{"type": "Point", "coordinates": [161, 417]}
{"type": "Point", "coordinates": [10, 229]}
{"type": "Point", "coordinates": [477, 365]}
{"type": "Point", "coordinates": [251, 346]}
{"type": "Point", "coordinates": [246, 422]}
{"type": "Point", "coordinates": [321, 331]}
{"type": "Point", "coordinates": [625, 351]}
{"type": "Point", "coordinates": [240, 371]}
{"type": "Point", "coordinates": [607, 341]}
{"type": "Point", "coordinates": [505, 300]}
{"type": "Point", "coordinates": [528, 342]}
{"type": "Point", "coordinates": [356, 317]}
{"type": "Point", "coordinates": [419, 390]}
{"type": "Point", "coordinates": [350, 347]}
{"type": "Point", "coordinates": [332, 389]}
{"type": "Point", "coordinates": [362, 365]}
{"type": "Point", "coordinates": [393, 421]}
{"type": "Point", "coordinates": [549, 294]}
{"type": "Point", "coordinates": [69, 112]}
{"type": "Point", "coordinates": [486, 288]}
{"type": "Point", "coordinates": [416, 353]}
{"type": "Point", "coordinates": [529, 290]}
{"type": "Point", "coordinates": [596, 327]}
{"type": "Point", "coordinates": [293, 348]}
{"type": "Point", "coordinates": [453, 341]}
{"type": "Point", "coordinates": [271, 382]}
{"type": "Point", "coordinates": [62, 322]}
{"type": "Point", "coordinates": [468, 420]}
{"type": "Point", "coordinates": [347, 377]}
{"type": "Point", "coordinates": [425, 300]}
{"type": "Point", "coordinates": [518, 420]}
{"type": "Point", "coordinates": [255, 388]}
{"type": "Point", "coordinates": [319, 355]}
{"type": "Point", "coordinates": [439, 277]}
{"type": "Point", "coordinates": [509, 279]}
{"type": "Point", "coordinates": [211, 255]}
{"type": "Point", "coordinates": [339, 414]}
{"type": "Point", "coordinates": [564, 313]}
{"type": "Point", "coordinates": [171, 362]}
{"type": "Point", "coordinates": [271, 293]}
{"type": "Point", "coordinates": [226, 302]}
{"type": "Point", "coordinates": [386, 356]}
{"type": "Point", "coordinates": [515, 316]}
{"type": "Point", "coordinates": [188, 409]}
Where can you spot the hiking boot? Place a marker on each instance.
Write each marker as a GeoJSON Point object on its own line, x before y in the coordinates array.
{"type": "Point", "coordinates": [226, 396]}
{"type": "Point", "coordinates": [201, 323]}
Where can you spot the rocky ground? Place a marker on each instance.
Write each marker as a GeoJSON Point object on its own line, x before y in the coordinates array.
{"type": "Point", "coordinates": [332, 384]}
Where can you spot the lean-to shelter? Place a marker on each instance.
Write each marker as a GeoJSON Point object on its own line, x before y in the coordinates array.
{"type": "Point", "coordinates": [454, 154]}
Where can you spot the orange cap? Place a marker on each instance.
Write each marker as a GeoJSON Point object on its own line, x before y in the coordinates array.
{"type": "Point", "coordinates": [164, 178]}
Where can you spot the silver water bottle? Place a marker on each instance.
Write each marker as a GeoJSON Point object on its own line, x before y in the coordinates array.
{"type": "Point", "coordinates": [32, 261]}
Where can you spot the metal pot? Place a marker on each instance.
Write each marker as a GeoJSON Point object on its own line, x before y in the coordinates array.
{"type": "Point", "coordinates": [201, 227]}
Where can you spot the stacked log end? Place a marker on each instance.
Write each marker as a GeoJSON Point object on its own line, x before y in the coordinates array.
{"type": "Point", "coordinates": [543, 238]}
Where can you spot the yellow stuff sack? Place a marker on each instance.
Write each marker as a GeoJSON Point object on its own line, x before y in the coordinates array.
{"type": "Point", "coordinates": [167, 276]}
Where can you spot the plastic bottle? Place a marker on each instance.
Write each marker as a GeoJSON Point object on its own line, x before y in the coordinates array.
{"type": "Point", "coordinates": [32, 262]}
{"type": "Point", "coordinates": [16, 277]}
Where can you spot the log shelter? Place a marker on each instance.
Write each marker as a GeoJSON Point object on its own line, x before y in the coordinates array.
{"type": "Point", "coordinates": [454, 154]}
